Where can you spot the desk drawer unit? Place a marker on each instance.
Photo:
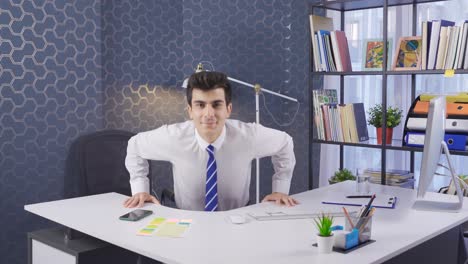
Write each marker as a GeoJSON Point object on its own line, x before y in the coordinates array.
{"type": "Point", "coordinates": [50, 246]}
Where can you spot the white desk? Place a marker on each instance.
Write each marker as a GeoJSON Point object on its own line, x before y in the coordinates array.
{"type": "Point", "coordinates": [213, 239]}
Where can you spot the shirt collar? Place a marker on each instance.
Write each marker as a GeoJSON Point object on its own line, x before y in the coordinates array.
{"type": "Point", "coordinates": [218, 142]}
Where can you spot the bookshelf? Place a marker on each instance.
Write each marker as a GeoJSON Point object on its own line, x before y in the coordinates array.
{"type": "Point", "coordinates": [343, 6]}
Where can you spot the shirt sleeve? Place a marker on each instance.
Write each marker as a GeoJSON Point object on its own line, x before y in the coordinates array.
{"type": "Point", "coordinates": [278, 145]}
{"type": "Point", "coordinates": [150, 145]}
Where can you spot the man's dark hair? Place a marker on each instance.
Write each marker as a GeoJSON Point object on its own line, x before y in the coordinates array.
{"type": "Point", "coordinates": [206, 81]}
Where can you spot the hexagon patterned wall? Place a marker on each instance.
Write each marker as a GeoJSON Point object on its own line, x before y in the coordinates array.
{"type": "Point", "coordinates": [73, 67]}
{"type": "Point", "coordinates": [259, 41]}
{"type": "Point", "coordinates": [255, 41]}
{"type": "Point", "coordinates": [50, 92]}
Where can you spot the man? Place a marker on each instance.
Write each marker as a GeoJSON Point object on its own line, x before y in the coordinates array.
{"type": "Point", "coordinates": [211, 155]}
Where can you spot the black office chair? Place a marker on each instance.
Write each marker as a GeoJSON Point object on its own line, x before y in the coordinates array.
{"type": "Point", "coordinates": [96, 164]}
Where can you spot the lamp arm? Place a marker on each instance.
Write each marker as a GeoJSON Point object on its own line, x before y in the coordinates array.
{"type": "Point", "coordinates": [263, 89]}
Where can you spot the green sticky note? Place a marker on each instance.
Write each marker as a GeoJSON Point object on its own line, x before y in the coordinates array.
{"type": "Point", "coordinates": [146, 231]}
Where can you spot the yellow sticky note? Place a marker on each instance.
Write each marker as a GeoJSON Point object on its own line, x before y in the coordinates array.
{"type": "Point", "coordinates": [449, 73]}
{"type": "Point", "coordinates": [172, 230]}
{"type": "Point", "coordinates": [157, 221]}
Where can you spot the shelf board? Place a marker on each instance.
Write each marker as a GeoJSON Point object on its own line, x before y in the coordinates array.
{"type": "Point", "coordinates": [424, 72]}
{"type": "Point", "coordinates": [348, 5]}
{"type": "Point", "coordinates": [362, 73]}
{"type": "Point", "coordinates": [349, 73]}
{"type": "Point", "coordinates": [372, 143]}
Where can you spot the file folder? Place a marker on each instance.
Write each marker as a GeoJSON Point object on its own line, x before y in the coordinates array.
{"type": "Point", "coordinates": [459, 98]}
{"type": "Point", "coordinates": [454, 142]}
{"type": "Point", "coordinates": [451, 125]}
{"type": "Point", "coordinates": [452, 108]}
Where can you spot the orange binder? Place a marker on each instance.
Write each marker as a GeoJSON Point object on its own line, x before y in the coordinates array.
{"type": "Point", "coordinates": [452, 108]}
{"type": "Point", "coordinates": [457, 109]}
{"type": "Point", "coordinates": [421, 107]}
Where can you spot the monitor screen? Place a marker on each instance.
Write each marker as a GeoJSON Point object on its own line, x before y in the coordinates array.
{"type": "Point", "coordinates": [435, 131]}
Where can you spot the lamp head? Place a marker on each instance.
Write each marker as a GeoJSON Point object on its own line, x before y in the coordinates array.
{"type": "Point", "coordinates": [198, 69]}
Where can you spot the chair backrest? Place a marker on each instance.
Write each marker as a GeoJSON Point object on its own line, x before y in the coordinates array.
{"type": "Point", "coordinates": [96, 164]}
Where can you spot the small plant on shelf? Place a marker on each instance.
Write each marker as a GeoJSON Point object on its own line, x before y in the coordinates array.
{"type": "Point", "coordinates": [393, 117]}
{"type": "Point", "coordinates": [342, 175]}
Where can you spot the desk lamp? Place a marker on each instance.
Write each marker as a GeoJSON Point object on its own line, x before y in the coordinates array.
{"type": "Point", "coordinates": [257, 88]}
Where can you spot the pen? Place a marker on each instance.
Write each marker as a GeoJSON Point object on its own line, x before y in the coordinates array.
{"type": "Point", "coordinates": [349, 218]}
{"type": "Point", "coordinates": [359, 223]}
{"type": "Point", "coordinates": [359, 196]}
{"type": "Point", "coordinates": [363, 226]}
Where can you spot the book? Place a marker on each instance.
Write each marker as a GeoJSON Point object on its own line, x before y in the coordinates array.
{"type": "Point", "coordinates": [321, 98]}
{"type": "Point", "coordinates": [318, 23]}
{"type": "Point", "coordinates": [434, 43]}
{"type": "Point", "coordinates": [380, 201]}
{"type": "Point", "coordinates": [343, 50]}
{"type": "Point", "coordinates": [452, 48]}
{"type": "Point", "coordinates": [336, 51]}
{"type": "Point", "coordinates": [462, 50]}
{"type": "Point", "coordinates": [426, 37]}
{"type": "Point", "coordinates": [442, 48]}
{"type": "Point", "coordinates": [393, 172]}
{"type": "Point", "coordinates": [361, 122]}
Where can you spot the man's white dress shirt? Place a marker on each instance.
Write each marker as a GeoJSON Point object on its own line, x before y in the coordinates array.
{"type": "Point", "coordinates": [236, 147]}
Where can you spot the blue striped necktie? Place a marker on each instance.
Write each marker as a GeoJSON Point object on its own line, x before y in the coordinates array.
{"type": "Point", "coordinates": [211, 191]}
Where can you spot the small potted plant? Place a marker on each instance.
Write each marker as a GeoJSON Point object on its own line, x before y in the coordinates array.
{"type": "Point", "coordinates": [341, 175]}
{"type": "Point", "coordinates": [393, 117]}
{"type": "Point", "coordinates": [325, 238]}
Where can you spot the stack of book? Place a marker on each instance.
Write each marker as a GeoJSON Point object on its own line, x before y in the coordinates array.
{"type": "Point", "coordinates": [338, 122]}
{"type": "Point", "coordinates": [400, 178]}
{"type": "Point", "coordinates": [456, 124]}
{"type": "Point", "coordinates": [444, 45]}
{"type": "Point", "coordinates": [330, 47]}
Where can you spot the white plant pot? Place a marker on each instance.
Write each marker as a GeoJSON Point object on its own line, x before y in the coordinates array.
{"type": "Point", "coordinates": [325, 244]}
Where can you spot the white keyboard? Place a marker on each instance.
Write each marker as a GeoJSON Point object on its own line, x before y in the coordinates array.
{"type": "Point", "coordinates": [266, 216]}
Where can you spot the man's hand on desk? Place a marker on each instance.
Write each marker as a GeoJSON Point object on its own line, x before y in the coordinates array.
{"type": "Point", "coordinates": [139, 199]}
{"type": "Point", "coordinates": [280, 198]}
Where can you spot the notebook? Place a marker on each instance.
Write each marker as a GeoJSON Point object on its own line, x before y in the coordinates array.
{"type": "Point", "coordinates": [380, 201]}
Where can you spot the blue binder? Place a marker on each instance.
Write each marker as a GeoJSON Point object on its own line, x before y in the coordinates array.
{"type": "Point", "coordinates": [454, 142]}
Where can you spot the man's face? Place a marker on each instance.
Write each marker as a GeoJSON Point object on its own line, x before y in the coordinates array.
{"type": "Point", "coordinates": [209, 112]}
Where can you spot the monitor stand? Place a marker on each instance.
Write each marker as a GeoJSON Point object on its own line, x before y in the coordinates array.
{"type": "Point", "coordinates": [452, 207]}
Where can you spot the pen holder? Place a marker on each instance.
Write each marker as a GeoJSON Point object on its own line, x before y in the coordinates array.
{"type": "Point", "coordinates": [365, 228]}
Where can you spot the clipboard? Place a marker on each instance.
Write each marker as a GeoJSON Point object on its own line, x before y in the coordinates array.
{"type": "Point", "coordinates": [380, 201]}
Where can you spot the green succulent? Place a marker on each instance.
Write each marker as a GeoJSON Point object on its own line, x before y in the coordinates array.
{"type": "Point", "coordinates": [342, 175]}
{"type": "Point", "coordinates": [394, 115]}
{"type": "Point", "coordinates": [324, 224]}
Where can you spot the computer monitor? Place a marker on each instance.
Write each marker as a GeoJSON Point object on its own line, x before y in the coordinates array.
{"type": "Point", "coordinates": [434, 144]}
